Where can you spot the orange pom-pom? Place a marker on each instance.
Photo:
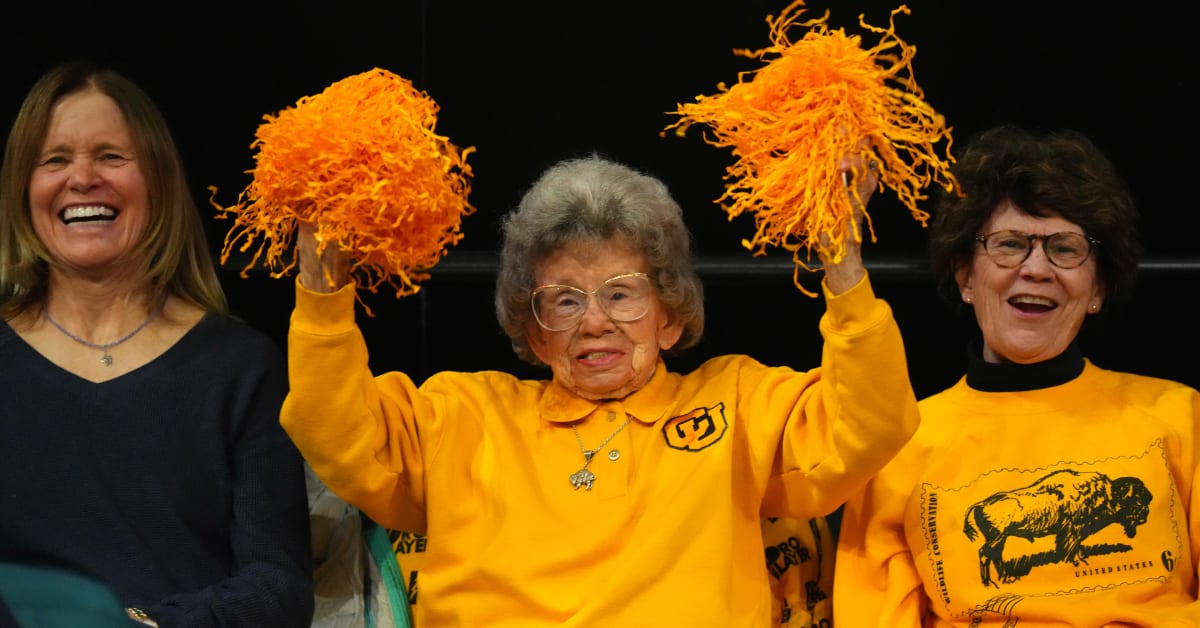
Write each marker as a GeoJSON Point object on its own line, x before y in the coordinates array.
{"type": "Point", "coordinates": [813, 102]}
{"type": "Point", "coordinates": [363, 162]}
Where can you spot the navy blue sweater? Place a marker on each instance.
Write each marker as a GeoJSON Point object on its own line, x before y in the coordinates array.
{"type": "Point", "coordinates": [173, 484]}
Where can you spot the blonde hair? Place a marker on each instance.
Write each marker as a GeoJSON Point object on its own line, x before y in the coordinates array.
{"type": "Point", "coordinates": [173, 257]}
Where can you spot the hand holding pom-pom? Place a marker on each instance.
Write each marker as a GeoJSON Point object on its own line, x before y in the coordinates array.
{"type": "Point", "coordinates": [362, 164]}
{"type": "Point", "coordinates": [791, 123]}
{"type": "Point", "coordinates": [324, 266]}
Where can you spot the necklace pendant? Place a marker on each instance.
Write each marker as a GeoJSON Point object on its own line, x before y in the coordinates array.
{"type": "Point", "coordinates": [105, 359]}
{"type": "Point", "coordinates": [583, 477]}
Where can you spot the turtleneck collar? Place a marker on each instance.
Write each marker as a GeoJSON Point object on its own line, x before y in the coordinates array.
{"type": "Point", "coordinates": [1010, 377]}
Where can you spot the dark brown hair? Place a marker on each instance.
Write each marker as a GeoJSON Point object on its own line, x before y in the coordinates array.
{"type": "Point", "coordinates": [1057, 173]}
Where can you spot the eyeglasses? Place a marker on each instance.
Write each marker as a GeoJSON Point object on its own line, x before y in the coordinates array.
{"type": "Point", "coordinates": [1009, 249]}
{"type": "Point", "coordinates": [623, 298]}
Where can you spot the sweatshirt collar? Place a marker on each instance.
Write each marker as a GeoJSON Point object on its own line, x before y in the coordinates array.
{"type": "Point", "coordinates": [646, 404]}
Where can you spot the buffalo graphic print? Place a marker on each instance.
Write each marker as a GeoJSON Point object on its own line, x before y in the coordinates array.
{"type": "Point", "coordinates": [1068, 505]}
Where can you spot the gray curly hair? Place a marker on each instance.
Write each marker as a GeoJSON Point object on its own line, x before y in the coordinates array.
{"type": "Point", "coordinates": [593, 199]}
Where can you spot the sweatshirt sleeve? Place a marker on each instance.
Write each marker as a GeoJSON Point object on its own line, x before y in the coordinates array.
{"type": "Point", "coordinates": [876, 581]}
{"type": "Point", "coordinates": [1191, 418]}
{"type": "Point", "coordinates": [858, 414]}
{"type": "Point", "coordinates": [356, 431]}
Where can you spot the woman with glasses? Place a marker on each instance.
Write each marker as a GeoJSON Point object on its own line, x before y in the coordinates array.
{"type": "Point", "coordinates": [1040, 489]}
{"type": "Point", "coordinates": [616, 492]}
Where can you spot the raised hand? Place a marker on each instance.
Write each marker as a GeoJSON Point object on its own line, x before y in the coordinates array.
{"type": "Point", "coordinates": [322, 268]}
{"type": "Point", "coordinates": [861, 180]}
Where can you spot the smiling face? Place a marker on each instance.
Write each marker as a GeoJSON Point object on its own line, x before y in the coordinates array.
{"type": "Point", "coordinates": [1031, 312]}
{"type": "Point", "coordinates": [88, 199]}
{"type": "Point", "coordinates": [601, 358]}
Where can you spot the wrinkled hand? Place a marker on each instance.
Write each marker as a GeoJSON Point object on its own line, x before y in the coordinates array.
{"type": "Point", "coordinates": [862, 178]}
{"type": "Point", "coordinates": [320, 270]}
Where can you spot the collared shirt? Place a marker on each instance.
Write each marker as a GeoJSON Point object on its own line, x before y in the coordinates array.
{"type": "Point", "coordinates": [669, 534]}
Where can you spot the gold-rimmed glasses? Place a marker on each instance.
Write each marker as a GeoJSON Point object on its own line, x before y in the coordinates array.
{"type": "Point", "coordinates": [624, 298]}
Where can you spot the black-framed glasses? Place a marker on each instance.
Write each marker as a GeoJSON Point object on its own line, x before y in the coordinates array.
{"type": "Point", "coordinates": [623, 298]}
{"type": "Point", "coordinates": [1064, 249]}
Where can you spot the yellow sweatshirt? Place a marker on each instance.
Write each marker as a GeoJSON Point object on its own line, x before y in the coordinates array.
{"type": "Point", "coordinates": [669, 533]}
{"type": "Point", "coordinates": [1068, 505]}
{"type": "Point", "coordinates": [798, 554]}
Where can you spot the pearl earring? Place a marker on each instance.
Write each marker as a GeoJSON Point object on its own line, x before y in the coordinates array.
{"type": "Point", "coordinates": [967, 299]}
{"type": "Point", "coordinates": [1095, 307]}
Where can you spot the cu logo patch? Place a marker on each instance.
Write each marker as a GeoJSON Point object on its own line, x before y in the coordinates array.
{"type": "Point", "coordinates": [697, 429]}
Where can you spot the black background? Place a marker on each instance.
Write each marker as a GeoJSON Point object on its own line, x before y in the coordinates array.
{"type": "Point", "coordinates": [530, 82]}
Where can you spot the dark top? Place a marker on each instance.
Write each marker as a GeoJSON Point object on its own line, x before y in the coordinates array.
{"type": "Point", "coordinates": [1012, 377]}
{"type": "Point", "coordinates": [173, 484]}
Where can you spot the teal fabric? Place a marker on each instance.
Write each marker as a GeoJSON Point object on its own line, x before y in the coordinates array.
{"type": "Point", "coordinates": [389, 570]}
{"type": "Point", "coordinates": [42, 597]}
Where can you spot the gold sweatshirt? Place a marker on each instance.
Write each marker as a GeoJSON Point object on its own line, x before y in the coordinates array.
{"type": "Point", "coordinates": [669, 532]}
{"type": "Point", "coordinates": [1067, 505]}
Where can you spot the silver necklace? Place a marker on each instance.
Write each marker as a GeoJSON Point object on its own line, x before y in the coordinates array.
{"type": "Point", "coordinates": [584, 477]}
{"type": "Point", "coordinates": [105, 359]}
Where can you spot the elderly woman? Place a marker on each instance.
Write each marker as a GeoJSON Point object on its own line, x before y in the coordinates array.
{"type": "Point", "coordinates": [617, 492]}
{"type": "Point", "coordinates": [140, 443]}
{"type": "Point", "coordinates": [1040, 489]}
